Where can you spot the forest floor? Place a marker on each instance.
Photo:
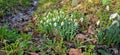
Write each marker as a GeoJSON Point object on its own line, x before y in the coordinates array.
{"type": "Point", "coordinates": [62, 27]}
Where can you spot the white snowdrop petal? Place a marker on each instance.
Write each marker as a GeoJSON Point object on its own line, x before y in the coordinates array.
{"type": "Point", "coordinates": [81, 19]}
{"type": "Point", "coordinates": [98, 22]}
{"type": "Point", "coordinates": [62, 23]}
{"type": "Point", "coordinates": [45, 18]}
{"type": "Point", "coordinates": [107, 8]}
{"type": "Point", "coordinates": [55, 24]}
{"type": "Point", "coordinates": [47, 21]}
{"type": "Point", "coordinates": [50, 23]}
{"type": "Point", "coordinates": [54, 19]}
{"type": "Point", "coordinates": [115, 22]}
{"type": "Point", "coordinates": [71, 15]}
{"type": "Point", "coordinates": [41, 21]}
{"type": "Point", "coordinates": [76, 24]}
{"type": "Point", "coordinates": [119, 17]}
{"type": "Point", "coordinates": [113, 16]}
{"type": "Point", "coordinates": [65, 18]}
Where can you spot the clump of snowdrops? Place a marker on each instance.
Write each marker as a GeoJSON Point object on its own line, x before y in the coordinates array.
{"type": "Point", "coordinates": [59, 23]}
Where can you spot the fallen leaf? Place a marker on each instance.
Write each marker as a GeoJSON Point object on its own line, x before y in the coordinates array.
{"type": "Point", "coordinates": [91, 30]}
{"type": "Point", "coordinates": [74, 51]}
{"type": "Point", "coordinates": [94, 41]}
{"type": "Point", "coordinates": [32, 53]}
{"type": "Point", "coordinates": [70, 44]}
{"type": "Point", "coordinates": [90, 1]}
{"type": "Point", "coordinates": [80, 37]}
{"type": "Point", "coordinates": [93, 19]}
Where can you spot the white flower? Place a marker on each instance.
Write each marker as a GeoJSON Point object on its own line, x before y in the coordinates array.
{"type": "Point", "coordinates": [44, 18]}
{"type": "Point", "coordinates": [115, 23]}
{"type": "Point", "coordinates": [76, 24]}
{"type": "Point", "coordinates": [55, 24]}
{"type": "Point", "coordinates": [41, 21]}
{"type": "Point", "coordinates": [61, 12]}
{"type": "Point", "coordinates": [75, 20]}
{"type": "Point", "coordinates": [50, 23]}
{"type": "Point", "coordinates": [107, 8]}
{"type": "Point", "coordinates": [62, 23]}
{"type": "Point", "coordinates": [54, 19]}
{"type": "Point", "coordinates": [65, 18]}
{"type": "Point", "coordinates": [98, 22]}
{"type": "Point", "coordinates": [47, 21]}
{"type": "Point", "coordinates": [113, 16]}
{"type": "Point", "coordinates": [82, 19]}
{"type": "Point", "coordinates": [71, 15]}
{"type": "Point", "coordinates": [119, 17]}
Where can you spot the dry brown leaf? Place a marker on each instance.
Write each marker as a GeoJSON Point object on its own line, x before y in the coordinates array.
{"type": "Point", "coordinates": [94, 41]}
{"type": "Point", "coordinates": [26, 29]}
{"type": "Point", "coordinates": [80, 37]}
{"type": "Point", "coordinates": [64, 2]}
{"type": "Point", "coordinates": [74, 51]}
{"type": "Point", "coordinates": [91, 30]}
{"type": "Point", "coordinates": [90, 1]}
{"type": "Point", "coordinates": [32, 53]}
{"type": "Point", "coordinates": [34, 17]}
{"type": "Point", "coordinates": [97, 1]}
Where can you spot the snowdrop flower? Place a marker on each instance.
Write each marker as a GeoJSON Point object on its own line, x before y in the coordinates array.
{"type": "Point", "coordinates": [61, 12]}
{"type": "Point", "coordinates": [58, 17]}
{"type": "Point", "coordinates": [44, 23]}
{"type": "Point", "coordinates": [62, 23]}
{"type": "Point", "coordinates": [75, 20]}
{"type": "Point", "coordinates": [115, 23]}
{"type": "Point", "coordinates": [76, 24]}
{"type": "Point", "coordinates": [65, 18]}
{"type": "Point", "coordinates": [55, 24]}
{"type": "Point", "coordinates": [41, 21]}
{"type": "Point", "coordinates": [54, 19]}
{"type": "Point", "coordinates": [71, 15]}
{"type": "Point", "coordinates": [107, 8]}
{"type": "Point", "coordinates": [81, 19]}
{"type": "Point", "coordinates": [98, 22]}
{"type": "Point", "coordinates": [119, 17]}
{"type": "Point", "coordinates": [44, 18]}
{"type": "Point", "coordinates": [50, 23]}
{"type": "Point", "coordinates": [113, 16]}
{"type": "Point", "coordinates": [47, 21]}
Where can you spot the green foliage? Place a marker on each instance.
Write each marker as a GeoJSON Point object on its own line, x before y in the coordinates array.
{"type": "Point", "coordinates": [18, 41]}
{"type": "Point", "coordinates": [104, 2]}
{"type": "Point", "coordinates": [45, 1]}
{"type": "Point", "coordinates": [110, 36]}
{"type": "Point", "coordinates": [7, 6]}
{"type": "Point", "coordinates": [103, 52]}
{"type": "Point", "coordinates": [59, 23]}
{"type": "Point", "coordinates": [7, 34]}
{"type": "Point", "coordinates": [16, 48]}
{"type": "Point", "coordinates": [89, 50]}
{"type": "Point", "coordinates": [54, 47]}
